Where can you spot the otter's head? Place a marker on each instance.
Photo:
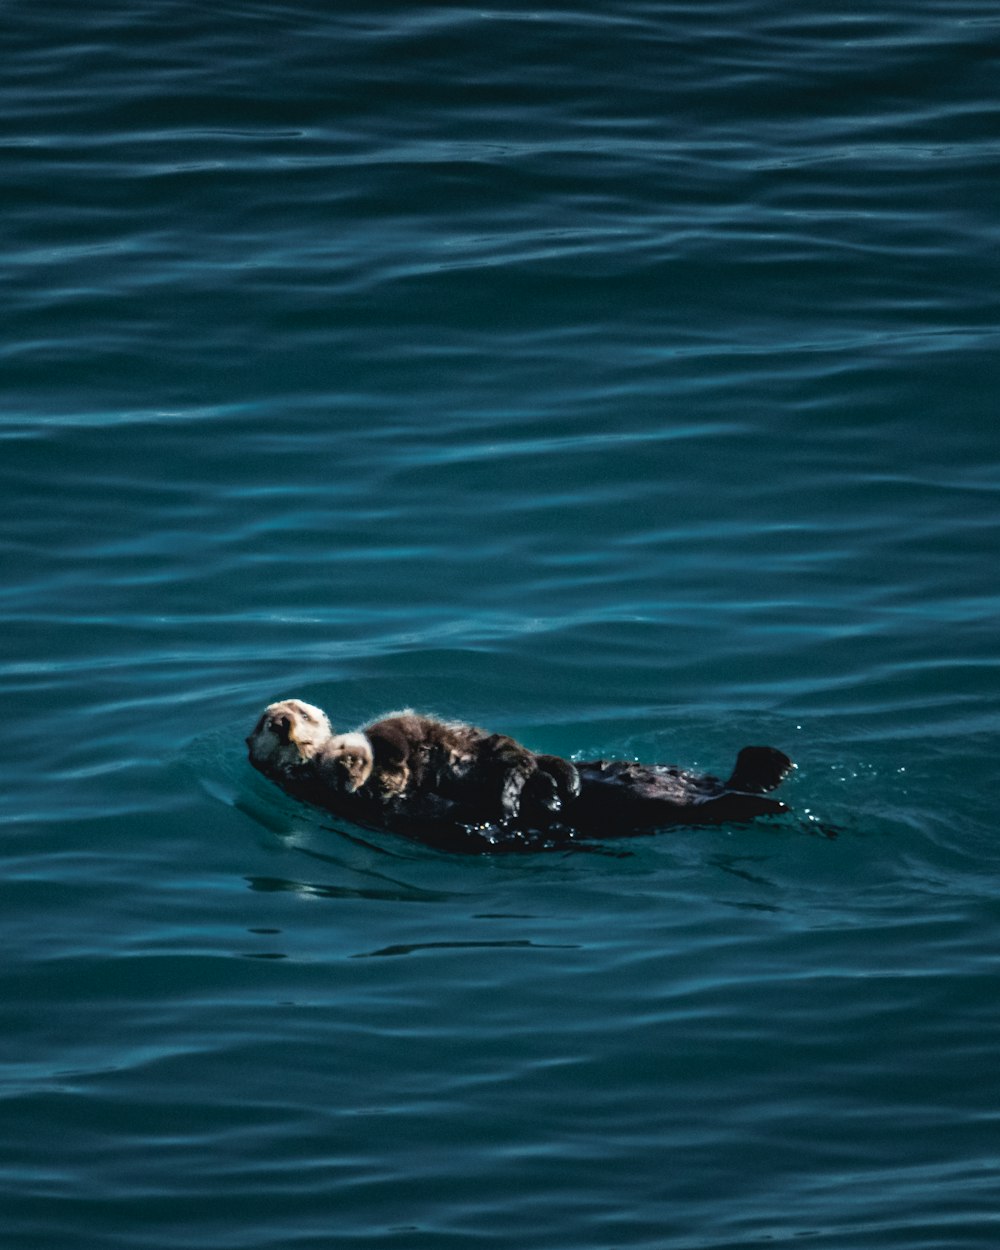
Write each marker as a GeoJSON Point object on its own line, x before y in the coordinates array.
{"type": "Point", "coordinates": [345, 762]}
{"type": "Point", "coordinates": [288, 733]}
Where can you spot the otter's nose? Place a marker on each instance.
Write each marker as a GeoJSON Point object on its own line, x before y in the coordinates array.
{"type": "Point", "coordinates": [282, 726]}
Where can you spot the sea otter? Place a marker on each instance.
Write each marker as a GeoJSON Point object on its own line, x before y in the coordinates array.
{"type": "Point", "coordinates": [456, 787]}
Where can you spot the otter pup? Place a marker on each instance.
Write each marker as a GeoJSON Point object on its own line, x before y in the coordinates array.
{"type": "Point", "coordinates": [402, 761]}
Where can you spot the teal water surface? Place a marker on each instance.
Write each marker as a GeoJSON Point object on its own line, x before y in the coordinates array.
{"type": "Point", "coordinates": [622, 379]}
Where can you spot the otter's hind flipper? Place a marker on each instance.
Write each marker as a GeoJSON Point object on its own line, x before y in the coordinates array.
{"type": "Point", "coordinates": [759, 769]}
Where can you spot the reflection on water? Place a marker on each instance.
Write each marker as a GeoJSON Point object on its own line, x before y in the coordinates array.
{"type": "Point", "coordinates": [400, 894]}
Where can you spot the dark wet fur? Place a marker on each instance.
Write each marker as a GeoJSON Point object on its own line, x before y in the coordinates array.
{"type": "Point", "coordinates": [619, 797]}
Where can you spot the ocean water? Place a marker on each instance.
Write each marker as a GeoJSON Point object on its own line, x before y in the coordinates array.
{"type": "Point", "coordinates": [623, 378]}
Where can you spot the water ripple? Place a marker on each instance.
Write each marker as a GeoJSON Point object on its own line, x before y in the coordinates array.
{"type": "Point", "coordinates": [623, 381]}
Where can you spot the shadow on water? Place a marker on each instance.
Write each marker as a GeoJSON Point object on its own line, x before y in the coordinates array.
{"type": "Point", "coordinates": [412, 948]}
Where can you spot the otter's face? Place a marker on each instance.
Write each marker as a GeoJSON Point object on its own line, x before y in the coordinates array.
{"type": "Point", "coordinates": [287, 734]}
{"type": "Point", "coordinates": [345, 762]}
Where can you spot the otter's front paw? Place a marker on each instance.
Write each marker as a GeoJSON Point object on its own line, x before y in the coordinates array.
{"type": "Point", "coordinates": [563, 777]}
{"type": "Point", "coordinates": [540, 793]}
{"type": "Point", "coordinates": [554, 783]}
{"type": "Point", "coordinates": [510, 793]}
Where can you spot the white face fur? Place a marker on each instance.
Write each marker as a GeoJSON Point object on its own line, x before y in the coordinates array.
{"type": "Point", "coordinates": [345, 762]}
{"type": "Point", "coordinates": [288, 733]}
